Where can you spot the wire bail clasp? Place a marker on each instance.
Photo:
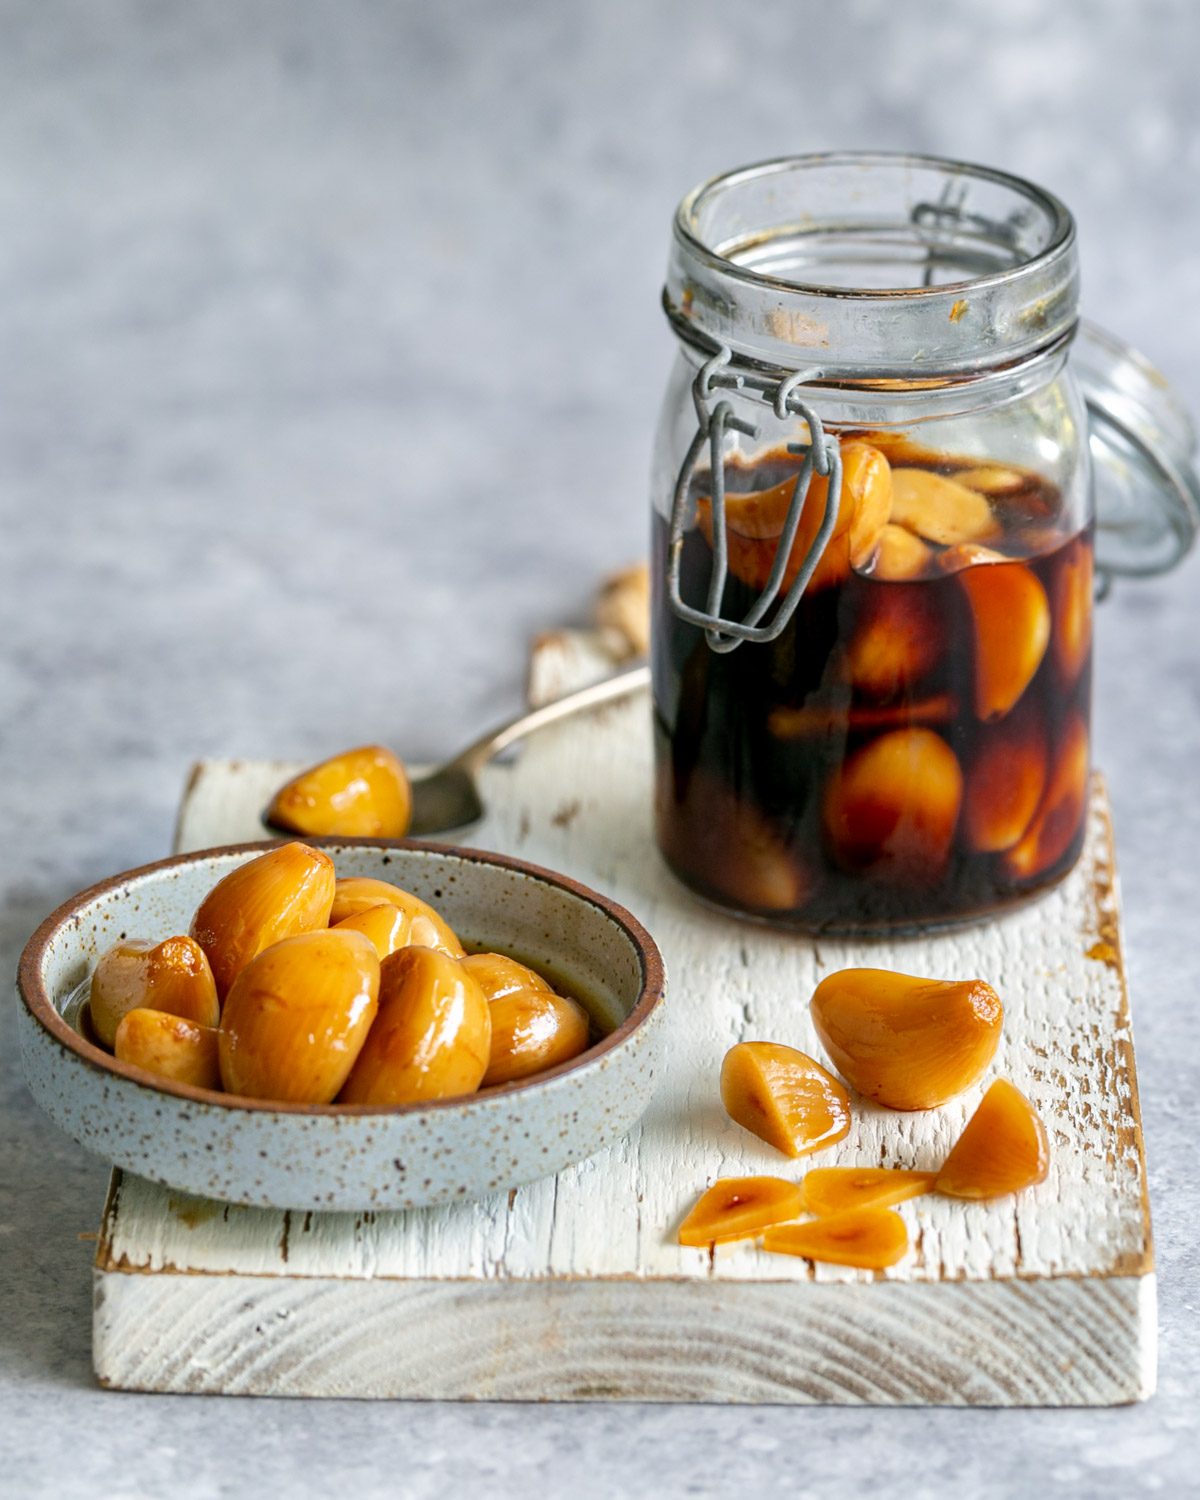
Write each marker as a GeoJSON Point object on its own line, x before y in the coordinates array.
{"type": "Point", "coordinates": [822, 456]}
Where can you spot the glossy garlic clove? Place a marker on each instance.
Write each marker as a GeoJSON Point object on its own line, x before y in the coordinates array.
{"type": "Point", "coordinates": [355, 895]}
{"type": "Point", "coordinates": [533, 1030]}
{"type": "Point", "coordinates": [900, 555]}
{"type": "Point", "coordinates": [1006, 776]}
{"type": "Point", "coordinates": [941, 510]}
{"type": "Point", "coordinates": [896, 642]}
{"type": "Point", "coordinates": [361, 793]}
{"type": "Point", "coordinates": [1010, 616]}
{"type": "Point", "coordinates": [903, 1041]}
{"type": "Point", "coordinates": [172, 976]}
{"type": "Point", "coordinates": [1058, 822]}
{"type": "Point", "coordinates": [892, 808]}
{"type": "Point", "coordinates": [1003, 1148]}
{"type": "Point", "coordinates": [385, 925]}
{"type": "Point", "coordinates": [738, 1208]}
{"type": "Point", "coordinates": [1073, 591]}
{"type": "Point", "coordinates": [496, 974]}
{"type": "Point", "coordinates": [171, 1047]}
{"type": "Point", "coordinates": [742, 856]}
{"type": "Point", "coordinates": [870, 1238]}
{"type": "Point", "coordinates": [286, 891]}
{"type": "Point", "coordinates": [297, 1016]}
{"type": "Point", "coordinates": [838, 1190]}
{"type": "Point", "coordinates": [432, 1037]}
{"type": "Point", "coordinates": [784, 1097]}
{"type": "Point", "coordinates": [754, 522]}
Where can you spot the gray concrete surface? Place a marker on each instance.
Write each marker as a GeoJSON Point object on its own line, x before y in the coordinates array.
{"type": "Point", "coordinates": [329, 351]}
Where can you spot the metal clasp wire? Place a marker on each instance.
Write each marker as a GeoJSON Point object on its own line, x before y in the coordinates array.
{"type": "Point", "coordinates": [821, 456]}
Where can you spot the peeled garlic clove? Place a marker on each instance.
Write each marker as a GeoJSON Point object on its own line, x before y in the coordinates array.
{"type": "Point", "coordinates": [837, 1190]}
{"type": "Point", "coordinates": [276, 895]}
{"type": "Point", "coordinates": [1006, 776]}
{"type": "Point", "coordinates": [533, 1030]}
{"type": "Point", "coordinates": [496, 974]}
{"type": "Point", "coordinates": [386, 926]}
{"type": "Point", "coordinates": [869, 1238]}
{"type": "Point", "coordinates": [1073, 592]}
{"type": "Point", "coordinates": [169, 1046]}
{"type": "Point", "coordinates": [994, 479]}
{"type": "Point", "coordinates": [754, 521]}
{"type": "Point", "coordinates": [903, 1041]}
{"type": "Point", "coordinates": [1058, 822]}
{"type": "Point", "coordinates": [432, 1037]}
{"type": "Point", "coordinates": [896, 641]}
{"type": "Point", "coordinates": [941, 509]}
{"type": "Point", "coordinates": [1003, 1148]}
{"type": "Point", "coordinates": [737, 1208]}
{"type": "Point", "coordinates": [297, 1016]}
{"type": "Point", "coordinates": [968, 555]}
{"type": "Point", "coordinates": [900, 554]}
{"type": "Point", "coordinates": [892, 807]}
{"type": "Point", "coordinates": [172, 976]}
{"type": "Point", "coordinates": [426, 929]}
{"type": "Point", "coordinates": [1011, 618]}
{"type": "Point", "coordinates": [784, 1097]}
{"type": "Point", "coordinates": [361, 793]}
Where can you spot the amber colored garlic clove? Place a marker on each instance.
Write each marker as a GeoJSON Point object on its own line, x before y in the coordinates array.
{"type": "Point", "coordinates": [900, 555]}
{"type": "Point", "coordinates": [496, 974]}
{"type": "Point", "coordinates": [1006, 776]}
{"type": "Point", "coordinates": [1072, 592]}
{"type": "Point", "coordinates": [169, 1046]}
{"type": "Point", "coordinates": [286, 891]}
{"type": "Point", "coordinates": [754, 521]}
{"type": "Point", "coordinates": [172, 976]}
{"type": "Point", "coordinates": [432, 1037]}
{"type": "Point", "coordinates": [891, 809]}
{"type": "Point", "coordinates": [903, 1041]}
{"type": "Point", "coordinates": [870, 1238]}
{"type": "Point", "coordinates": [1011, 618]}
{"type": "Point", "coordinates": [743, 857]}
{"type": "Point", "coordinates": [941, 510]}
{"type": "Point", "coordinates": [361, 793]}
{"type": "Point", "coordinates": [896, 642]}
{"type": "Point", "coordinates": [533, 1030]}
{"type": "Point", "coordinates": [297, 1016]}
{"type": "Point", "coordinates": [1059, 819]}
{"type": "Point", "coordinates": [1003, 1148]}
{"type": "Point", "coordinates": [994, 479]}
{"type": "Point", "coordinates": [385, 925]}
{"type": "Point", "coordinates": [838, 1190]}
{"type": "Point", "coordinates": [784, 1097]}
{"type": "Point", "coordinates": [426, 928]}
{"type": "Point", "coordinates": [738, 1208]}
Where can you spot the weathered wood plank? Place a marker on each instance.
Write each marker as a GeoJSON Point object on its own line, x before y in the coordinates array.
{"type": "Point", "coordinates": [1044, 1298]}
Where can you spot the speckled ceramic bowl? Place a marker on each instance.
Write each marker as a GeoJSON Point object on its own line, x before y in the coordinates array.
{"type": "Point", "coordinates": [357, 1156]}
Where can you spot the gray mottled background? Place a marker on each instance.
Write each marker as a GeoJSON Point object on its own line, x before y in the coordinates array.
{"type": "Point", "coordinates": [329, 351]}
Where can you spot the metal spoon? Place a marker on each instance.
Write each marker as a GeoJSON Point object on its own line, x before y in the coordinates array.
{"type": "Point", "coordinates": [447, 796]}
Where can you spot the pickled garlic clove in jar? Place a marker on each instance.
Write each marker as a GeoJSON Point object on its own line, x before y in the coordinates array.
{"type": "Point", "coordinates": [1073, 591]}
{"type": "Point", "coordinates": [1058, 822]}
{"type": "Point", "coordinates": [738, 1208]}
{"type": "Point", "coordinates": [1005, 780]}
{"type": "Point", "coordinates": [754, 521]}
{"type": "Point", "coordinates": [172, 976]}
{"type": "Point", "coordinates": [940, 509]}
{"type": "Point", "coordinates": [904, 1041]}
{"type": "Point", "coordinates": [1010, 617]}
{"type": "Point", "coordinates": [892, 807]}
{"type": "Point", "coordinates": [784, 1097]}
{"type": "Point", "coordinates": [900, 555]}
{"type": "Point", "coordinates": [361, 793]}
{"type": "Point", "coordinates": [897, 640]}
{"type": "Point", "coordinates": [286, 891]}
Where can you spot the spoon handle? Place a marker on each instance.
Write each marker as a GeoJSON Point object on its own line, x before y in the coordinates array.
{"type": "Point", "coordinates": [477, 755]}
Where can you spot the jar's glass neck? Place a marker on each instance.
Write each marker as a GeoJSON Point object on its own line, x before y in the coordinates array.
{"type": "Point", "coordinates": [873, 269]}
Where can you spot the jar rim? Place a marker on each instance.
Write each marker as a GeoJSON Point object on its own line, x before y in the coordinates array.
{"type": "Point", "coordinates": [737, 234]}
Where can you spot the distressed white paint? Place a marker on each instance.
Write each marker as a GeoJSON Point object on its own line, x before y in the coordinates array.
{"type": "Point", "coordinates": [1042, 1298]}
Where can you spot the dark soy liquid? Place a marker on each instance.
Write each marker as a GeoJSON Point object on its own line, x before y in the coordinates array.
{"type": "Point", "coordinates": [866, 770]}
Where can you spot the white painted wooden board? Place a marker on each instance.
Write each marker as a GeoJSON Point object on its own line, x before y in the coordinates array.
{"type": "Point", "coordinates": [573, 1288]}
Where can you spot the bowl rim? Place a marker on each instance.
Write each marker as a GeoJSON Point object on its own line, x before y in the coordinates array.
{"type": "Point", "coordinates": [35, 996]}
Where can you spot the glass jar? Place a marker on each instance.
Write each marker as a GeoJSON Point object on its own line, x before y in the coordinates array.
{"type": "Point", "coordinates": [873, 540]}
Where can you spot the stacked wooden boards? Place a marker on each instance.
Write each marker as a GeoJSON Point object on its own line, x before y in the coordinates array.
{"type": "Point", "coordinates": [573, 1288]}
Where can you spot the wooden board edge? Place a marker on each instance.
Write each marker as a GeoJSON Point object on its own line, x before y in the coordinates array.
{"type": "Point", "coordinates": [1042, 1342]}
